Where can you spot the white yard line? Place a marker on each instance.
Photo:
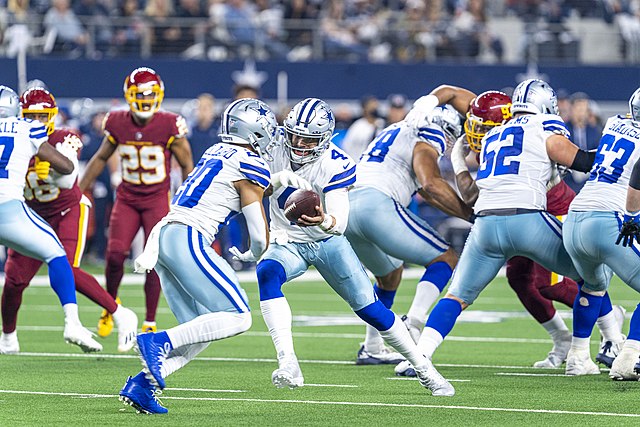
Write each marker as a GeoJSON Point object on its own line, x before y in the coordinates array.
{"type": "Point", "coordinates": [525, 374]}
{"type": "Point", "coordinates": [243, 359]}
{"type": "Point", "coordinates": [205, 390]}
{"type": "Point", "coordinates": [416, 379]}
{"type": "Point", "coordinates": [331, 385]}
{"type": "Point", "coordinates": [329, 403]}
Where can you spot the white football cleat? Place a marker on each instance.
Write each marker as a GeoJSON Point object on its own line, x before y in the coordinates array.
{"type": "Point", "coordinates": [288, 374]}
{"type": "Point", "coordinates": [404, 369]}
{"type": "Point", "coordinates": [623, 368]}
{"type": "Point", "coordinates": [580, 363]}
{"type": "Point", "coordinates": [386, 356]}
{"type": "Point", "coordinates": [430, 378]}
{"type": "Point", "coordinates": [558, 353]}
{"type": "Point", "coordinates": [75, 333]}
{"type": "Point", "coordinates": [127, 323]}
{"type": "Point", "coordinates": [9, 343]}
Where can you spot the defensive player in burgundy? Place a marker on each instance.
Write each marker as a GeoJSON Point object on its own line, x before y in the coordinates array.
{"type": "Point", "coordinates": [67, 212]}
{"type": "Point", "coordinates": [145, 139]}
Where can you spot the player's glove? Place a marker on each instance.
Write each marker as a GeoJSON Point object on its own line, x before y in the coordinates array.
{"type": "Point", "coordinates": [287, 178]}
{"type": "Point", "coordinates": [42, 168]}
{"type": "Point", "coordinates": [459, 153]}
{"type": "Point", "coordinates": [630, 229]}
{"type": "Point", "coordinates": [417, 117]}
{"type": "Point", "coordinates": [242, 256]}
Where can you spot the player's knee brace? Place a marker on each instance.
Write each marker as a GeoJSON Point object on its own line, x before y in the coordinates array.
{"type": "Point", "coordinates": [377, 315]}
{"type": "Point", "coordinates": [271, 276]}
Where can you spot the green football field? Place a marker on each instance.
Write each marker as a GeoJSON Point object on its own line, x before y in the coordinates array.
{"type": "Point", "coordinates": [487, 358]}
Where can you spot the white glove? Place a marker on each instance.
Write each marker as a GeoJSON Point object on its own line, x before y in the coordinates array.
{"type": "Point", "coordinates": [417, 117]}
{"type": "Point", "coordinates": [66, 181]}
{"type": "Point", "coordinates": [242, 256]}
{"type": "Point", "coordinates": [459, 153]}
{"type": "Point", "coordinates": [287, 178]}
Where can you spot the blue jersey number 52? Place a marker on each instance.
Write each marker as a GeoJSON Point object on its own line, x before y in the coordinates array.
{"type": "Point", "coordinates": [494, 161]}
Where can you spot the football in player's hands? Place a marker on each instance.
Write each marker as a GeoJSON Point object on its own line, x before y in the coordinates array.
{"type": "Point", "coordinates": [301, 202]}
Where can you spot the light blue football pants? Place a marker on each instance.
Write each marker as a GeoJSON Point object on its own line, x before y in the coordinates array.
{"type": "Point", "coordinates": [335, 261]}
{"type": "Point", "coordinates": [25, 231]}
{"type": "Point", "coordinates": [385, 234]}
{"type": "Point", "coordinates": [590, 239]}
{"type": "Point", "coordinates": [194, 278]}
{"type": "Point", "coordinates": [495, 239]}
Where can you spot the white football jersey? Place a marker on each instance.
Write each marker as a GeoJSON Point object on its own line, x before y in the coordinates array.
{"type": "Point", "coordinates": [334, 169]}
{"type": "Point", "coordinates": [387, 163]}
{"type": "Point", "coordinates": [208, 197]}
{"type": "Point", "coordinates": [514, 165]}
{"type": "Point", "coordinates": [618, 152]}
{"type": "Point", "coordinates": [20, 140]}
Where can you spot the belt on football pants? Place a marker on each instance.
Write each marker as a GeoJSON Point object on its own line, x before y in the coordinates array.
{"type": "Point", "coordinates": [506, 212]}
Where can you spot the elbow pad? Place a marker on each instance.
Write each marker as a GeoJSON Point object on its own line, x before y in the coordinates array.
{"type": "Point", "coordinates": [257, 228]}
{"type": "Point", "coordinates": [337, 216]}
{"type": "Point", "coordinates": [583, 161]}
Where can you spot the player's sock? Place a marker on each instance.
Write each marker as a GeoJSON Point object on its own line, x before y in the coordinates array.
{"type": "Point", "coordinates": [61, 278]}
{"type": "Point", "coordinates": [11, 301]}
{"type": "Point", "coordinates": [114, 271]}
{"type": "Point", "coordinates": [277, 316]}
{"type": "Point", "coordinates": [585, 312]}
{"type": "Point", "coordinates": [609, 328]}
{"type": "Point", "coordinates": [555, 326]}
{"type": "Point", "coordinates": [88, 286]}
{"type": "Point", "coordinates": [398, 337]}
{"type": "Point", "coordinates": [433, 281]}
{"type": "Point", "coordinates": [373, 342]}
{"type": "Point", "coordinates": [179, 357]}
{"type": "Point", "coordinates": [429, 341]}
{"type": "Point", "coordinates": [71, 313]}
{"type": "Point", "coordinates": [444, 315]}
{"type": "Point", "coordinates": [209, 327]}
{"type": "Point", "coordinates": [152, 295]}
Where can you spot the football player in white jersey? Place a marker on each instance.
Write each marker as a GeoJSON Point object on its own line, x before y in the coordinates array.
{"type": "Point", "coordinates": [201, 288]}
{"type": "Point", "coordinates": [307, 158]}
{"type": "Point", "coordinates": [516, 164]}
{"type": "Point", "coordinates": [20, 227]}
{"type": "Point", "coordinates": [590, 231]}
{"type": "Point", "coordinates": [400, 161]}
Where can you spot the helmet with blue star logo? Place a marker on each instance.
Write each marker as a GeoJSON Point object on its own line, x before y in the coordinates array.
{"type": "Point", "coordinates": [249, 121]}
{"type": "Point", "coordinates": [308, 127]}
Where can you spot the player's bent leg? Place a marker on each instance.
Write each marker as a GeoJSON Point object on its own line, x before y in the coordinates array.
{"type": "Point", "coordinates": [152, 297]}
{"type": "Point", "coordinates": [585, 312]}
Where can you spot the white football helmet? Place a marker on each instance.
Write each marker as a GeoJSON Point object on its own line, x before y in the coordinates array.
{"type": "Point", "coordinates": [449, 120]}
{"type": "Point", "coordinates": [534, 96]}
{"type": "Point", "coordinates": [634, 107]}
{"type": "Point", "coordinates": [312, 120]}
{"type": "Point", "coordinates": [9, 102]}
{"type": "Point", "coordinates": [249, 121]}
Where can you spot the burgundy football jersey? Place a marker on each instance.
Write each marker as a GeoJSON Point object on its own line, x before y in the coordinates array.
{"type": "Point", "coordinates": [46, 198]}
{"type": "Point", "coordinates": [144, 151]}
{"type": "Point", "coordinates": [559, 199]}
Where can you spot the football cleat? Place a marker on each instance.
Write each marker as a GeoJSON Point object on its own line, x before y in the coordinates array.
{"type": "Point", "coordinates": [430, 378]}
{"type": "Point", "coordinates": [405, 369]}
{"type": "Point", "coordinates": [623, 367]}
{"type": "Point", "coordinates": [385, 357]}
{"type": "Point", "coordinates": [608, 352]}
{"type": "Point", "coordinates": [414, 327]}
{"type": "Point", "coordinates": [288, 375]}
{"type": "Point", "coordinates": [9, 343]}
{"type": "Point", "coordinates": [105, 324]}
{"type": "Point", "coordinates": [558, 353]}
{"type": "Point", "coordinates": [127, 329]}
{"type": "Point", "coordinates": [153, 350]}
{"type": "Point", "coordinates": [140, 394]}
{"type": "Point", "coordinates": [75, 333]}
{"type": "Point", "coordinates": [580, 363]}
{"type": "Point", "coordinates": [148, 327]}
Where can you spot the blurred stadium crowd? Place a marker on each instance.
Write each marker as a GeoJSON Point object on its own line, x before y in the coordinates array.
{"type": "Point", "coordinates": [303, 30]}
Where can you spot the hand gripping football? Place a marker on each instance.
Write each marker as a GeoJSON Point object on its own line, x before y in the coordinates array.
{"type": "Point", "coordinates": [301, 202]}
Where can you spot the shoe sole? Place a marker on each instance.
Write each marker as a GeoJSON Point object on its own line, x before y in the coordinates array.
{"type": "Point", "coordinates": [139, 409]}
{"type": "Point", "coordinates": [375, 361]}
{"type": "Point", "coordinates": [282, 381]}
{"type": "Point", "coordinates": [84, 347]}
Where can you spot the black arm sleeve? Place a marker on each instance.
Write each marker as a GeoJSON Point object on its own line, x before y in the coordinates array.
{"type": "Point", "coordinates": [583, 161]}
{"type": "Point", "coordinates": [634, 181]}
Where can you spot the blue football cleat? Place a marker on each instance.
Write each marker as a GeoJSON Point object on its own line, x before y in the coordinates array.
{"type": "Point", "coordinates": [153, 349]}
{"type": "Point", "coordinates": [386, 356]}
{"type": "Point", "coordinates": [140, 394]}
